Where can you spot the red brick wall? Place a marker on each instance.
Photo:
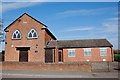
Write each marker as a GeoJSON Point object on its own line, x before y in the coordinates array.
{"type": "Point", "coordinates": [80, 55]}
{"type": "Point", "coordinates": [51, 67]}
{"type": "Point", "coordinates": [47, 37]}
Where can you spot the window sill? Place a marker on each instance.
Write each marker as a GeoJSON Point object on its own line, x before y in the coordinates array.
{"type": "Point", "coordinates": [31, 38]}
{"type": "Point", "coordinates": [16, 39]}
{"type": "Point", "coordinates": [71, 56]}
{"type": "Point", "coordinates": [87, 56]}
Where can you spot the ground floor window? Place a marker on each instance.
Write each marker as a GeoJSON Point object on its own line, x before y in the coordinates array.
{"type": "Point", "coordinates": [103, 51]}
{"type": "Point", "coordinates": [71, 52]}
{"type": "Point", "coordinates": [87, 52]}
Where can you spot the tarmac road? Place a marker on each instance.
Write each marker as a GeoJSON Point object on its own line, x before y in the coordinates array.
{"type": "Point", "coordinates": [57, 74]}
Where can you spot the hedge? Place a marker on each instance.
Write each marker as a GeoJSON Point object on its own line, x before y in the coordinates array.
{"type": "Point", "coordinates": [117, 57]}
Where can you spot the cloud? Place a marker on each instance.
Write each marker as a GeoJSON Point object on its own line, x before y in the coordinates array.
{"type": "Point", "coordinates": [79, 29]}
{"type": "Point", "coordinates": [118, 12]}
{"type": "Point", "coordinates": [110, 30]}
{"type": "Point", "coordinates": [28, 0]}
{"type": "Point", "coordinates": [61, 0]}
{"type": "Point", "coordinates": [76, 12]}
{"type": "Point", "coordinates": [114, 19]}
{"type": "Point", "coordinates": [15, 5]}
{"type": "Point", "coordinates": [0, 9]}
{"type": "Point", "coordinates": [110, 27]}
{"type": "Point", "coordinates": [84, 11]}
{"type": "Point", "coordinates": [38, 0]}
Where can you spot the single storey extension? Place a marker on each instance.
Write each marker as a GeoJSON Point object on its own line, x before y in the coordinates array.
{"type": "Point", "coordinates": [79, 50]}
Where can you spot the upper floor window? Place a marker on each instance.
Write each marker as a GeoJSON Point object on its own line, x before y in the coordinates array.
{"type": "Point", "coordinates": [32, 34]}
{"type": "Point", "coordinates": [87, 52]}
{"type": "Point", "coordinates": [16, 35]}
{"type": "Point", "coordinates": [71, 52]}
{"type": "Point", "coordinates": [103, 51]}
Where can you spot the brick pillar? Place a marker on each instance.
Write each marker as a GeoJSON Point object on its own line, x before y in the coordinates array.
{"type": "Point", "coordinates": [112, 52]}
{"type": "Point", "coordinates": [53, 55]}
{"type": "Point", "coordinates": [56, 55]}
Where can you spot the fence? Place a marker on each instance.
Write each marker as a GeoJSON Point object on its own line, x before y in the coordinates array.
{"type": "Point", "coordinates": [101, 66]}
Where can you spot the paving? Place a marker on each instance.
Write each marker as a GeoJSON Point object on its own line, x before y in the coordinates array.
{"type": "Point", "coordinates": [57, 74]}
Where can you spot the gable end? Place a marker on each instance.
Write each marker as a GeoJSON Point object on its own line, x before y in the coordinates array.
{"type": "Point", "coordinates": [20, 17]}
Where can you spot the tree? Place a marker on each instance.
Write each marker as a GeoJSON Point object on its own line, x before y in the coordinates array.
{"type": "Point", "coordinates": [1, 34]}
{"type": "Point", "coordinates": [1, 31]}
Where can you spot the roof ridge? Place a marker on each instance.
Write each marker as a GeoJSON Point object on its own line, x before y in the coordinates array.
{"type": "Point", "coordinates": [84, 39]}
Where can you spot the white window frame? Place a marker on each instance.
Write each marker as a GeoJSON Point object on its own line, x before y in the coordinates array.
{"type": "Point", "coordinates": [16, 34]}
{"type": "Point", "coordinates": [71, 52]}
{"type": "Point", "coordinates": [32, 34]}
{"type": "Point", "coordinates": [102, 52]}
{"type": "Point", "coordinates": [88, 51]}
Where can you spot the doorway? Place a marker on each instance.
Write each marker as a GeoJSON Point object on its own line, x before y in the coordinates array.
{"type": "Point", "coordinates": [60, 56]}
{"type": "Point", "coordinates": [23, 54]}
{"type": "Point", "coordinates": [49, 56]}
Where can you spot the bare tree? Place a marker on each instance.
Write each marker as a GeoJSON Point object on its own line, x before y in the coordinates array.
{"type": "Point", "coordinates": [1, 31]}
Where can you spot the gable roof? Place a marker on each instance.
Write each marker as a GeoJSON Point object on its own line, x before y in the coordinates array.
{"type": "Point", "coordinates": [86, 43]}
{"type": "Point", "coordinates": [33, 19]}
{"type": "Point", "coordinates": [20, 17]}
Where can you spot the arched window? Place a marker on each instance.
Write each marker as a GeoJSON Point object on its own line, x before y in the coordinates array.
{"type": "Point", "coordinates": [16, 35]}
{"type": "Point", "coordinates": [32, 34]}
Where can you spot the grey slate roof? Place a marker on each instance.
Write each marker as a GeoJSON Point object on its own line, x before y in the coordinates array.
{"type": "Point", "coordinates": [87, 43]}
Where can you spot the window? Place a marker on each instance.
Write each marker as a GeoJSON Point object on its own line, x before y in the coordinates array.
{"type": "Point", "coordinates": [103, 51]}
{"type": "Point", "coordinates": [71, 53]}
{"type": "Point", "coordinates": [87, 52]}
{"type": "Point", "coordinates": [32, 34]}
{"type": "Point", "coordinates": [16, 35]}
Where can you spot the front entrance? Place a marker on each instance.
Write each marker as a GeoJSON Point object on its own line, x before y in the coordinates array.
{"type": "Point", "coordinates": [60, 56]}
{"type": "Point", "coordinates": [23, 54]}
{"type": "Point", "coordinates": [48, 56]}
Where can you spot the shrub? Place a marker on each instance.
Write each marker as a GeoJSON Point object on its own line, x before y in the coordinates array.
{"type": "Point", "coordinates": [117, 57]}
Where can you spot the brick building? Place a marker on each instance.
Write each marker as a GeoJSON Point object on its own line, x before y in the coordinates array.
{"type": "Point", "coordinates": [29, 40]}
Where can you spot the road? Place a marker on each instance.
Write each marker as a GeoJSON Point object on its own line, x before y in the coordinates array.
{"type": "Point", "coordinates": [57, 74]}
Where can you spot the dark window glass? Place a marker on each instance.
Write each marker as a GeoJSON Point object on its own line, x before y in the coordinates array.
{"type": "Point", "coordinates": [34, 35]}
{"type": "Point", "coordinates": [30, 35]}
{"type": "Point", "coordinates": [16, 32]}
{"type": "Point", "coordinates": [14, 35]}
{"type": "Point", "coordinates": [18, 36]}
{"type": "Point", "coordinates": [32, 31]}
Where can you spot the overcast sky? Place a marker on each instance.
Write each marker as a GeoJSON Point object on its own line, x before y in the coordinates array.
{"type": "Point", "coordinates": [69, 20]}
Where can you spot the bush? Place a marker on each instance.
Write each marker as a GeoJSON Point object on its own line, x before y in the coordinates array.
{"type": "Point", "coordinates": [117, 57]}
